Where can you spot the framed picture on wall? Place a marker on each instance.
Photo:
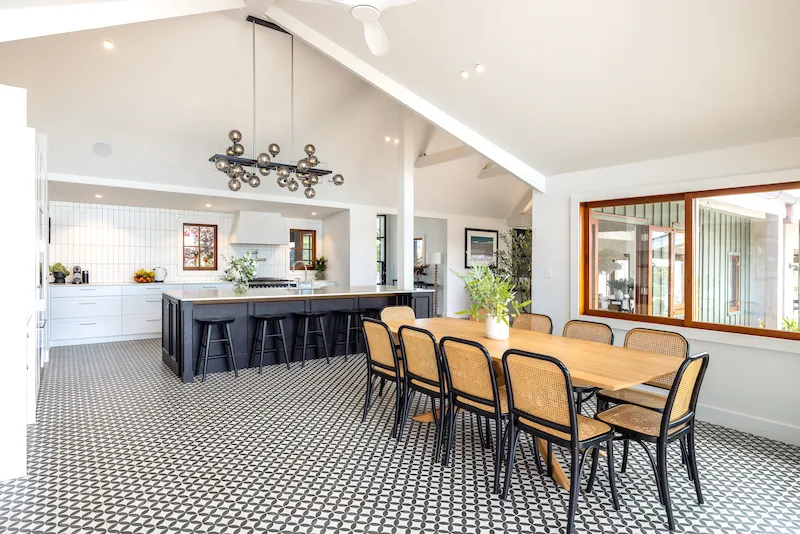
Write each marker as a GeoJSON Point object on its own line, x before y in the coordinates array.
{"type": "Point", "coordinates": [481, 246]}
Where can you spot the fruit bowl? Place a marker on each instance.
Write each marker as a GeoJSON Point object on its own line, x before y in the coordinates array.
{"type": "Point", "coordinates": [143, 276]}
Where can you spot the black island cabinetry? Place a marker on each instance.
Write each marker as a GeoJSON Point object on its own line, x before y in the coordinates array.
{"type": "Point", "coordinates": [181, 312]}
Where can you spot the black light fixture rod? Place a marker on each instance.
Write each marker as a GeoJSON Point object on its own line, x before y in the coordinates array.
{"type": "Point", "coordinates": [266, 24]}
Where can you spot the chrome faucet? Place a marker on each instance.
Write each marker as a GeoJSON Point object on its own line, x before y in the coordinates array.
{"type": "Point", "coordinates": [305, 269]}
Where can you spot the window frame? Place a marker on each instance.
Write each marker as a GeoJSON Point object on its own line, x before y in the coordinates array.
{"type": "Point", "coordinates": [690, 305]}
{"type": "Point", "coordinates": [734, 303]}
{"type": "Point", "coordinates": [184, 247]}
{"type": "Point", "coordinates": [313, 248]}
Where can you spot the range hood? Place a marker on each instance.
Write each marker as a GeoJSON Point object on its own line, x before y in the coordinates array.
{"type": "Point", "coordinates": [259, 228]}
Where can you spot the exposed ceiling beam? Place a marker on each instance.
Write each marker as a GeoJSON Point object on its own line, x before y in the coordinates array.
{"type": "Point", "coordinates": [451, 154]}
{"type": "Point", "coordinates": [408, 98]}
{"type": "Point", "coordinates": [65, 17]}
{"type": "Point", "coordinates": [492, 170]}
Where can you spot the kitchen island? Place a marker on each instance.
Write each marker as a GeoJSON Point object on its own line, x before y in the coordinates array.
{"type": "Point", "coordinates": [181, 311]}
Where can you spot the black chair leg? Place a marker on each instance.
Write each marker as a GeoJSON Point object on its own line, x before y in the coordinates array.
{"type": "Point", "coordinates": [283, 344]}
{"type": "Point", "coordinates": [692, 456]}
{"type": "Point", "coordinates": [661, 461]}
{"type": "Point", "coordinates": [579, 403]}
{"type": "Point", "coordinates": [408, 395]}
{"type": "Point", "coordinates": [611, 475]}
{"type": "Point", "coordinates": [498, 453]}
{"type": "Point", "coordinates": [536, 456]}
{"type": "Point", "coordinates": [398, 407]}
{"type": "Point", "coordinates": [368, 397]}
{"type": "Point", "coordinates": [574, 489]}
{"type": "Point", "coordinates": [324, 339]}
{"type": "Point", "coordinates": [305, 340]}
{"type": "Point", "coordinates": [593, 474]}
{"type": "Point", "coordinates": [655, 471]}
{"type": "Point", "coordinates": [625, 447]}
{"type": "Point", "coordinates": [549, 460]}
{"type": "Point", "coordinates": [451, 432]}
{"type": "Point", "coordinates": [513, 436]}
{"type": "Point", "coordinates": [380, 389]}
{"type": "Point", "coordinates": [229, 345]}
{"type": "Point", "coordinates": [685, 457]}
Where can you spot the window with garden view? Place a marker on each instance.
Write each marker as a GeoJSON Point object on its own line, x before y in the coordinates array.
{"type": "Point", "coordinates": [199, 247]}
{"type": "Point", "coordinates": [721, 260]}
{"type": "Point", "coordinates": [302, 247]}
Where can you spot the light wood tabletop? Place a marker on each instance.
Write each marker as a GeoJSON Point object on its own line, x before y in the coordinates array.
{"type": "Point", "coordinates": [606, 366]}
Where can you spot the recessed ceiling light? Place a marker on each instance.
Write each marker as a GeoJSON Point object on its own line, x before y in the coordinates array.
{"type": "Point", "coordinates": [208, 205]}
{"type": "Point", "coordinates": [102, 149]}
{"type": "Point", "coordinates": [313, 213]}
{"type": "Point", "coordinates": [387, 138]}
{"type": "Point", "coordinates": [108, 45]}
{"type": "Point", "coordinates": [98, 196]}
{"type": "Point", "coordinates": [464, 74]}
{"type": "Point", "coordinates": [478, 68]}
{"type": "Point", "coordinates": [396, 140]}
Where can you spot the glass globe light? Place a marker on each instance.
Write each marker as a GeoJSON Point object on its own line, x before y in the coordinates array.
{"type": "Point", "coordinates": [234, 184]}
{"type": "Point", "coordinates": [274, 149]}
{"type": "Point", "coordinates": [263, 171]}
{"type": "Point", "coordinates": [310, 193]}
{"type": "Point", "coordinates": [313, 160]}
{"type": "Point", "coordinates": [293, 186]}
{"type": "Point", "coordinates": [302, 165]}
{"type": "Point", "coordinates": [314, 179]}
{"type": "Point", "coordinates": [284, 172]}
{"type": "Point", "coordinates": [338, 179]}
{"type": "Point", "coordinates": [222, 165]}
{"type": "Point", "coordinates": [229, 151]}
{"type": "Point", "coordinates": [235, 136]}
{"type": "Point", "coordinates": [255, 181]}
{"type": "Point", "coordinates": [306, 182]}
{"type": "Point", "coordinates": [282, 181]}
{"type": "Point", "coordinates": [237, 171]}
{"type": "Point", "coordinates": [309, 149]}
{"type": "Point", "coordinates": [238, 149]}
{"type": "Point", "coordinates": [263, 159]}
{"type": "Point", "coordinates": [246, 177]}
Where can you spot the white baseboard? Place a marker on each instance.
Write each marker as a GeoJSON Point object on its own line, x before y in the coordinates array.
{"type": "Point", "coordinates": [747, 423]}
{"type": "Point", "coordinates": [108, 339]}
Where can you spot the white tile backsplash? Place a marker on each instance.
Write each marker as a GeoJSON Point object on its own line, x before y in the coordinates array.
{"type": "Point", "coordinates": [113, 242]}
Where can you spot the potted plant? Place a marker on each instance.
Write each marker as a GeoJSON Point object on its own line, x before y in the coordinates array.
{"type": "Point", "coordinates": [320, 266]}
{"type": "Point", "coordinates": [239, 271]}
{"type": "Point", "coordinates": [493, 298]}
{"type": "Point", "coordinates": [59, 272]}
{"type": "Point", "coordinates": [618, 286]}
{"type": "Point", "coordinates": [420, 271]}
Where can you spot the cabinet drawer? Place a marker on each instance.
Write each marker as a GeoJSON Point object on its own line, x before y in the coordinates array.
{"type": "Point", "coordinates": [141, 305]}
{"type": "Point", "coordinates": [79, 307]}
{"type": "Point", "coordinates": [78, 290]}
{"type": "Point", "coordinates": [141, 325]}
{"type": "Point", "coordinates": [148, 289]}
{"type": "Point", "coordinates": [84, 328]}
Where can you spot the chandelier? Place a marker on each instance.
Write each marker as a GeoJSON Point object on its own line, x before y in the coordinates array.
{"type": "Point", "coordinates": [240, 169]}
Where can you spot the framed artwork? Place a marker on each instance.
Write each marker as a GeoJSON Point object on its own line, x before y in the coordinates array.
{"type": "Point", "coordinates": [481, 246]}
{"type": "Point", "coordinates": [419, 251]}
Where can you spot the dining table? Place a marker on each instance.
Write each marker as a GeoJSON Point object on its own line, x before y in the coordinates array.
{"type": "Point", "coordinates": [608, 367]}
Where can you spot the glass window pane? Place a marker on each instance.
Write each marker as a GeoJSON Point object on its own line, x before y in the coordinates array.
{"type": "Point", "coordinates": [190, 256]}
{"type": "Point", "coordinates": [190, 236]}
{"type": "Point", "coordinates": [746, 260]}
{"type": "Point", "coordinates": [636, 258]}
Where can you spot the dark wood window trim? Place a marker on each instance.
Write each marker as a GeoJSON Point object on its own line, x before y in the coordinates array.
{"type": "Point", "coordinates": [300, 248]}
{"type": "Point", "coordinates": [689, 320]}
{"type": "Point", "coordinates": [215, 267]}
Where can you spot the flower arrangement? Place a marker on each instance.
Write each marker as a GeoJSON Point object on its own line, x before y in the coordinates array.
{"type": "Point", "coordinates": [421, 270]}
{"type": "Point", "coordinates": [239, 271]}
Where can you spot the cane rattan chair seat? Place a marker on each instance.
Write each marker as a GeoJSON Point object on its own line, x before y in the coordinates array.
{"type": "Point", "coordinates": [534, 322]}
{"type": "Point", "coordinates": [588, 428]}
{"type": "Point", "coordinates": [654, 401]}
{"type": "Point", "coordinates": [635, 418]}
{"type": "Point", "coordinates": [488, 407]}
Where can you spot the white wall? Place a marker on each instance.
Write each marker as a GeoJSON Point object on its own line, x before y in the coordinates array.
{"type": "Point", "coordinates": [113, 242]}
{"type": "Point", "coordinates": [337, 247]}
{"type": "Point", "coordinates": [363, 240]}
{"type": "Point", "coordinates": [434, 232]}
{"type": "Point", "coordinates": [751, 381]}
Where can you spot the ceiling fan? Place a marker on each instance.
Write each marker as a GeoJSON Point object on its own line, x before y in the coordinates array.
{"type": "Point", "coordinates": [367, 13]}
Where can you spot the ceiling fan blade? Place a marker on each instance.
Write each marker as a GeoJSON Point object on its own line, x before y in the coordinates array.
{"type": "Point", "coordinates": [377, 40]}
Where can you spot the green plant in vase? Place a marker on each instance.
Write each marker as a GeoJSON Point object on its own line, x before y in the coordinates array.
{"type": "Point", "coordinates": [320, 266]}
{"type": "Point", "coordinates": [239, 271]}
{"type": "Point", "coordinates": [493, 298]}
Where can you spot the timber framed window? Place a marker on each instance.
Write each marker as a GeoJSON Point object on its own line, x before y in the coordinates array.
{"type": "Point", "coordinates": [718, 260]}
{"type": "Point", "coordinates": [302, 247]}
{"type": "Point", "coordinates": [199, 247]}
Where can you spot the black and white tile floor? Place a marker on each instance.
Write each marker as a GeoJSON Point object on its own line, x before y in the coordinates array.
{"type": "Point", "coordinates": [122, 446]}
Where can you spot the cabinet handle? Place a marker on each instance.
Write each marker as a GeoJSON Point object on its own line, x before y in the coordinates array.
{"type": "Point", "coordinates": [92, 289]}
{"type": "Point", "coordinates": [153, 288]}
{"type": "Point", "coordinates": [152, 320]}
{"type": "Point", "coordinates": [153, 301]}
{"type": "Point", "coordinates": [84, 303]}
{"type": "Point", "coordinates": [87, 324]}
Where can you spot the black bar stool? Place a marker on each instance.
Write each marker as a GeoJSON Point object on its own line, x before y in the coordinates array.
{"type": "Point", "coordinates": [269, 327]}
{"type": "Point", "coordinates": [351, 320]}
{"type": "Point", "coordinates": [305, 327]}
{"type": "Point", "coordinates": [206, 341]}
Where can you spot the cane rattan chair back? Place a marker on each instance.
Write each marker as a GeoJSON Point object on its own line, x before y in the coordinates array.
{"type": "Point", "coordinates": [468, 367]}
{"type": "Point", "coordinates": [658, 342]}
{"type": "Point", "coordinates": [397, 313]}
{"type": "Point", "coordinates": [589, 331]}
{"type": "Point", "coordinates": [534, 322]}
{"type": "Point", "coordinates": [380, 346]}
{"type": "Point", "coordinates": [686, 387]}
{"type": "Point", "coordinates": [420, 355]}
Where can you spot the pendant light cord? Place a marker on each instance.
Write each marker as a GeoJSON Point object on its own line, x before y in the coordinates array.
{"type": "Point", "coordinates": [254, 89]}
{"type": "Point", "coordinates": [291, 134]}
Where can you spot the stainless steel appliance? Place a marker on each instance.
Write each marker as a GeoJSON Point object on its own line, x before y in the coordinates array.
{"type": "Point", "coordinates": [271, 282]}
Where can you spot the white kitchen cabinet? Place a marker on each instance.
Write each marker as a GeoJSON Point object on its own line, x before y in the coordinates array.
{"type": "Point", "coordinates": [70, 290]}
{"type": "Point", "coordinates": [84, 329]}
{"type": "Point", "coordinates": [80, 307]}
{"type": "Point", "coordinates": [141, 324]}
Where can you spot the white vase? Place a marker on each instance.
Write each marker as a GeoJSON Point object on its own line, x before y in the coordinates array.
{"type": "Point", "coordinates": [618, 294]}
{"type": "Point", "coordinates": [496, 329]}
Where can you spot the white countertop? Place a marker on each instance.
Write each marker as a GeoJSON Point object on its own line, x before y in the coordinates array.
{"type": "Point", "coordinates": [227, 295]}
{"type": "Point", "coordinates": [132, 283]}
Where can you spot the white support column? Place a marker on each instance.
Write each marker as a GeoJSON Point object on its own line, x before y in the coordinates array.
{"type": "Point", "coordinates": [405, 203]}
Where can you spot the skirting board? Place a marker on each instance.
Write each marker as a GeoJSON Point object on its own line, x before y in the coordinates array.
{"type": "Point", "coordinates": [107, 339]}
{"type": "Point", "coordinates": [747, 423]}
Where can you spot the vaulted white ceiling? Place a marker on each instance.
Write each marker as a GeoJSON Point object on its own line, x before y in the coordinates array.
{"type": "Point", "coordinates": [585, 84]}
{"type": "Point", "coordinates": [168, 93]}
